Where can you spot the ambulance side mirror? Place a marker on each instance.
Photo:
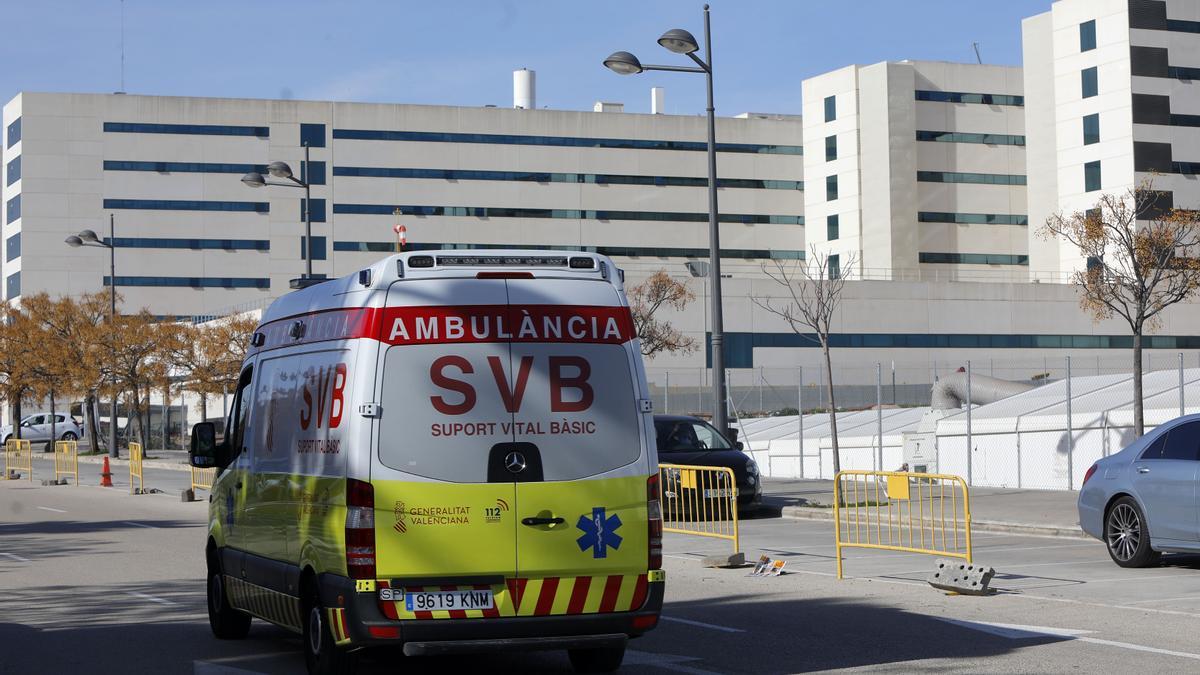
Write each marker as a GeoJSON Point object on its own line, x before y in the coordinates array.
{"type": "Point", "coordinates": [204, 452]}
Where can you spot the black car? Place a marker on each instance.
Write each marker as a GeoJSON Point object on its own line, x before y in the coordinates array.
{"type": "Point", "coordinates": [689, 440]}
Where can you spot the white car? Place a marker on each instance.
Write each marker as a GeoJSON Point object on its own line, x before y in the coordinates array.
{"type": "Point", "coordinates": [36, 427]}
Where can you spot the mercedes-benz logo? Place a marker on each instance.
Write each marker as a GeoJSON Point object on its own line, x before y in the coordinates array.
{"type": "Point", "coordinates": [514, 462]}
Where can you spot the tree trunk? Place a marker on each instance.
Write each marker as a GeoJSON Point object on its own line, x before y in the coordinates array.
{"type": "Point", "coordinates": [93, 426]}
{"type": "Point", "coordinates": [837, 460]}
{"type": "Point", "coordinates": [203, 406]}
{"type": "Point", "coordinates": [17, 417]}
{"type": "Point", "coordinates": [1139, 423]}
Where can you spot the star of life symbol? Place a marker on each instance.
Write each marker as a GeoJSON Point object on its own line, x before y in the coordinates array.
{"type": "Point", "coordinates": [599, 532]}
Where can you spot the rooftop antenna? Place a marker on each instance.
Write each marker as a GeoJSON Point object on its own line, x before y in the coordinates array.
{"type": "Point", "coordinates": [122, 90]}
{"type": "Point", "coordinates": [973, 44]}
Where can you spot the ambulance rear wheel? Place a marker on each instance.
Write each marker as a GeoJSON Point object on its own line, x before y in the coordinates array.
{"type": "Point", "coordinates": [596, 659]}
{"type": "Point", "coordinates": [321, 653]}
{"type": "Point", "coordinates": [226, 622]}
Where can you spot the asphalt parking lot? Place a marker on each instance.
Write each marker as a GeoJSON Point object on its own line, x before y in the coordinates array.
{"type": "Point", "coordinates": [118, 578]}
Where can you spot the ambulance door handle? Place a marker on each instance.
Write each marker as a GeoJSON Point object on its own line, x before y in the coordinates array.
{"type": "Point", "coordinates": [542, 521]}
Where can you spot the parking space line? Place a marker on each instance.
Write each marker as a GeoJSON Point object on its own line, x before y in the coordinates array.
{"type": "Point", "coordinates": [130, 522]}
{"type": "Point", "coordinates": [151, 598]}
{"type": "Point", "coordinates": [47, 508]}
{"type": "Point", "coordinates": [14, 557]}
{"type": "Point", "coordinates": [1176, 599]}
{"type": "Point", "coordinates": [701, 624]}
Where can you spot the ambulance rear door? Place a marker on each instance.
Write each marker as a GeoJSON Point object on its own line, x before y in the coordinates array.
{"type": "Point", "coordinates": [582, 536]}
{"type": "Point", "coordinates": [443, 510]}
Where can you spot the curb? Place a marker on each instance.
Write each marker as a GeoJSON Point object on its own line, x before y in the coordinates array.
{"type": "Point", "coordinates": [997, 526]}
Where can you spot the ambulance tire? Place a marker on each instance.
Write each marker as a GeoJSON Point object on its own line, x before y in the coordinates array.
{"type": "Point", "coordinates": [226, 622]}
{"type": "Point", "coordinates": [596, 659]}
{"type": "Point", "coordinates": [321, 654]}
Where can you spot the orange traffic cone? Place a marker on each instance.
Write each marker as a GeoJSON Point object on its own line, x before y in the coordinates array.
{"type": "Point", "coordinates": [105, 475]}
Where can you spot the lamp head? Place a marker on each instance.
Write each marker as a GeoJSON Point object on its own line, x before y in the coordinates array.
{"type": "Point", "coordinates": [88, 237]}
{"type": "Point", "coordinates": [279, 170]}
{"type": "Point", "coordinates": [697, 268]}
{"type": "Point", "coordinates": [74, 241]}
{"type": "Point", "coordinates": [254, 179]}
{"type": "Point", "coordinates": [679, 41]}
{"type": "Point", "coordinates": [623, 63]}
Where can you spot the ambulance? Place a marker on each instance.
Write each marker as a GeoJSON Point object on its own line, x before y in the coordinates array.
{"type": "Point", "coordinates": [448, 451]}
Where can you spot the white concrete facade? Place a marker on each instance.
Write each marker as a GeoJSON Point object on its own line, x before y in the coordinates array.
{"type": "Point", "coordinates": [929, 159]}
{"type": "Point", "coordinates": [549, 178]}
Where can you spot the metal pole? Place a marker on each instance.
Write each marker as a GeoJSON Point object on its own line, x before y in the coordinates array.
{"type": "Point", "coordinates": [893, 383]}
{"type": "Point", "coordinates": [800, 418]}
{"type": "Point", "coordinates": [761, 407]}
{"type": "Point", "coordinates": [308, 248]}
{"type": "Point", "coordinates": [879, 410]}
{"type": "Point", "coordinates": [969, 423]}
{"type": "Point", "coordinates": [1181, 413]}
{"type": "Point", "coordinates": [112, 326]}
{"type": "Point", "coordinates": [1070, 434]}
{"type": "Point", "coordinates": [667, 394]}
{"type": "Point", "coordinates": [720, 418]}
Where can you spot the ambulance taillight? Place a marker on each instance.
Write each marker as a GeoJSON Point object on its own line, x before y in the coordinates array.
{"type": "Point", "coordinates": [360, 529]}
{"type": "Point", "coordinates": [654, 516]}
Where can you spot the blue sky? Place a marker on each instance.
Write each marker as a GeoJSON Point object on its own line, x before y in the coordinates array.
{"type": "Point", "coordinates": [463, 52]}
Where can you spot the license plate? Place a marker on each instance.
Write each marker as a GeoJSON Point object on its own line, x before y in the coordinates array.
{"type": "Point", "coordinates": [717, 493]}
{"type": "Point", "coordinates": [440, 600]}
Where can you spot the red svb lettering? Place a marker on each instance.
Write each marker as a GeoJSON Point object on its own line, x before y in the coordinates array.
{"type": "Point", "coordinates": [568, 378]}
{"type": "Point", "coordinates": [330, 385]}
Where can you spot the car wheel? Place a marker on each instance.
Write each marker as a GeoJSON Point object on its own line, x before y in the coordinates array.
{"type": "Point", "coordinates": [596, 659]}
{"type": "Point", "coordinates": [321, 655]}
{"type": "Point", "coordinates": [1127, 535]}
{"type": "Point", "coordinates": [226, 622]}
{"type": "Point", "coordinates": [70, 436]}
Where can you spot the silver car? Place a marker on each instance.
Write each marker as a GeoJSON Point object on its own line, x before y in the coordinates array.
{"type": "Point", "coordinates": [36, 427]}
{"type": "Point", "coordinates": [1142, 501]}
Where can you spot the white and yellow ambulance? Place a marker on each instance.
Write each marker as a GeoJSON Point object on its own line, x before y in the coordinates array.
{"type": "Point", "coordinates": [448, 451]}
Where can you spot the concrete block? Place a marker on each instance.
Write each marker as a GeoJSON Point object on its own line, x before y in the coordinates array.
{"type": "Point", "coordinates": [961, 577]}
{"type": "Point", "coordinates": [187, 496]}
{"type": "Point", "coordinates": [735, 560]}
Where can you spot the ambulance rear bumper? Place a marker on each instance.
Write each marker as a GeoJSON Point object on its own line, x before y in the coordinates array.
{"type": "Point", "coordinates": [365, 624]}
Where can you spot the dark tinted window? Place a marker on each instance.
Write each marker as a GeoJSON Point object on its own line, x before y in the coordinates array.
{"type": "Point", "coordinates": [312, 135]}
{"type": "Point", "coordinates": [830, 148]}
{"type": "Point", "coordinates": [831, 227]}
{"type": "Point", "coordinates": [1091, 176]}
{"type": "Point", "coordinates": [1183, 442]}
{"type": "Point", "coordinates": [835, 267]}
{"type": "Point", "coordinates": [14, 132]}
{"type": "Point", "coordinates": [14, 171]}
{"type": "Point", "coordinates": [1089, 82]}
{"type": "Point", "coordinates": [830, 108]}
{"type": "Point", "coordinates": [1155, 449]}
{"type": "Point", "coordinates": [12, 249]}
{"type": "Point", "coordinates": [831, 188]}
{"type": "Point", "coordinates": [1087, 35]}
{"type": "Point", "coordinates": [13, 286]}
{"type": "Point", "coordinates": [688, 436]}
{"type": "Point", "coordinates": [1091, 128]}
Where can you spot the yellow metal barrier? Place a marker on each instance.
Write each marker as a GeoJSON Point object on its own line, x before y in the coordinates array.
{"type": "Point", "coordinates": [203, 479]}
{"type": "Point", "coordinates": [66, 460]}
{"type": "Point", "coordinates": [135, 469]}
{"type": "Point", "coordinates": [901, 511]}
{"type": "Point", "coordinates": [18, 455]}
{"type": "Point", "coordinates": [699, 500]}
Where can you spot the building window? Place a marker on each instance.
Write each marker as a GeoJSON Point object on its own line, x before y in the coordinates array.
{"type": "Point", "coordinates": [1087, 35]}
{"type": "Point", "coordinates": [12, 248]}
{"type": "Point", "coordinates": [192, 244]}
{"type": "Point", "coordinates": [831, 188]}
{"type": "Point", "coordinates": [830, 108]}
{"type": "Point", "coordinates": [972, 218]}
{"type": "Point", "coordinates": [1091, 176]}
{"type": "Point", "coordinates": [312, 173]}
{"type": "Point", "coordinates": [312, 135]}
{"type": "Point", "coordinates": [12, 287]}
{"type": "Point", "coordinates": [968, 97]}
{"type": "Point", "coordinates": [1089, 81]}
{"type": "Point", "coordinates": [831, 227]}
{"type": "Point", "coordinates": [318, 210]}
{"type": "Point", "coordinates": [976, 178]}
{"type": "Point", "coordinates": [830, 148]}
{"type": "Point", "coordinates": [560, 141]}
{"type": "Point", "coordinates": [318, 248]}
{"type": "Point", "coordinates": [1091, 128]}
{"type": "Point", "coordinates": [972, 258]}
{"type": "Point", "coordinates": [14, 209]}
{"type": "Point", "coordinates": [14, 171]}
{"type": "Point", "coordinates": [182, 167]}
{"type": "Point", "coordinates": [187, 129]}
{"type": "Point", "coordinates": [557, 177]}
{"type": "Point", "coordinates": [192, 282]}
{"type": "Point", "coordinates": [835, 267]}
{"type": "Point", "coordinates": [960, 137]}
{"type": "Point", "coordinates": [186, 205]}
{"type": "Point", "coordinates": [570, 214]}
{"type": "Point", "coordinates": [612, 251]}
{"type": "Point", "coordinates": [14, 132]}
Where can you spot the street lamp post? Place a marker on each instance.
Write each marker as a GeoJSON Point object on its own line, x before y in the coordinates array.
{"type": "Point", "coordinates": [89, 238]}
{"type": "Point", "coordinates": [623, 63]}
{"type": "Point", "coordinates": [255, 179]}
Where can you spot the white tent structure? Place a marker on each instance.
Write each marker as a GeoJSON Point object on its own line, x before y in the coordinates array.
{"type": "Point", "coordinates": [1023, 441]}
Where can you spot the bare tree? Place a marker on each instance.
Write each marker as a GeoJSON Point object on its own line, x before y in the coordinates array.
{"type": "Point", "coordinates": [656, 334]}
{"type": "Point", "coordinates": [1140, 260]}
{"type": "Point", "coordinates": [814, 292]}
